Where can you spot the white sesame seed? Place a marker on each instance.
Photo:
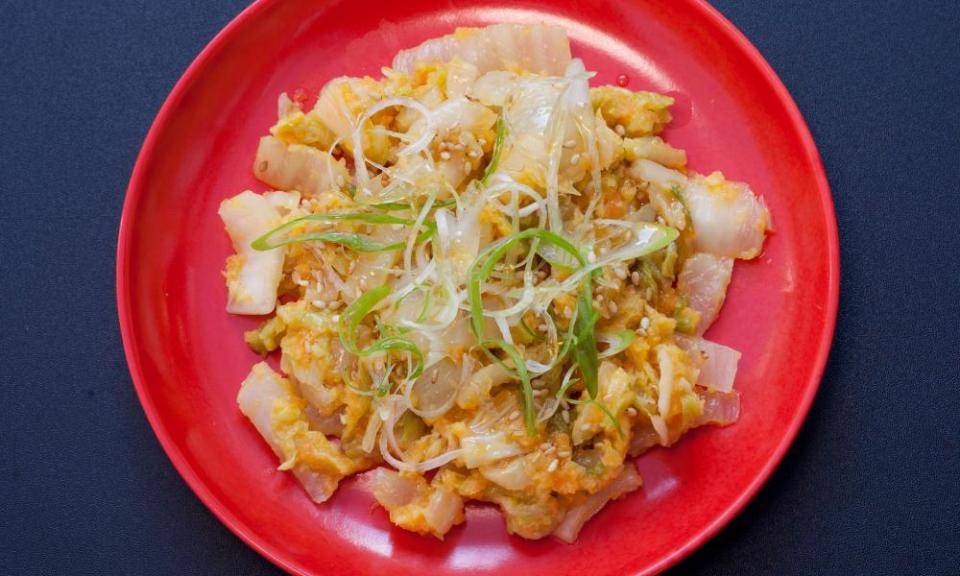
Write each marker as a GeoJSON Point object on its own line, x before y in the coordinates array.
{"type": "Point", "coordinates": [319, 303]}
{"type": "Point", "coordinates": [564, 454]}
{"type": "Point", "coordinates": [620, 272]}
{"type": "Point", "coordinates": [553, 466]}
{"type": "Point", "coordinates": [545, 446]}
{"type": "Point", "coordinates": [631, 411]}
{"type": "Point", "coordinates": [549, 449]}
{"type": "Point", "coordinates": [467, 166]}
{"type": "Point", "coordinates": [567, 313]}
{"type": "Point", "coordinates": [635, 277]}
{"type": "Point", "coordinates": [585, 426]}
{"type": "Point", "coordinates": [591, 257]}
{"type": "Point", "coordinates": [574, 159]}
{"type": "Point", "coordinates": [341, 181]}
{"type": "Point", "coordinates": [599, 298]}
{"type": "Point", "coordinates": [474, 153]}
{"type": "Point", "coordinates": [612, 306]}
{"type": "Point", "coordinates": [645, 323]}
{"type": "Point", "coordinates": [444, 155]}
{"type": "Point", "coordinates": [620, 129]}
{"type": "Point", "coordinates": [515, 414]}
{"type": "Point", "coordinates": [482, 141]}
{"type": "Point", "coordinates": [570, 143]}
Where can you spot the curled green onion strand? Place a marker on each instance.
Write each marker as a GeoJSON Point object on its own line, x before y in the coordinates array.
{"type": "Point", "coordinates": [585, 347]}
{"type": "Point", "coordinates": [357, 242]}
{"type": "Point", "coordinates": [497, 151]}
{"type": "Point", "coordinates": [353, 315]}
{"type": "Point", "coordinates": [480, 270]}
{"type": "Point", "coordinates": [519, 367]}
{"type": "Point", "coordinates": [617, 342]}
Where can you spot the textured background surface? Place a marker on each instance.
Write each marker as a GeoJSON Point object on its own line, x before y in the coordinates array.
{"type": "Point", "coordinates": [872, 485]}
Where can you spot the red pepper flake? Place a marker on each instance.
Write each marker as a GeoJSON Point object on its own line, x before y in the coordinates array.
{"type": "Point", "coordinates": [299, 96]}
{"type": "Point", "coordinates": [623, 80]}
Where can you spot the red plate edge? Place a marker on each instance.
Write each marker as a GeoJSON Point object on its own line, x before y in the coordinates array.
{"type": "Point", "coordinates": [133, 197]}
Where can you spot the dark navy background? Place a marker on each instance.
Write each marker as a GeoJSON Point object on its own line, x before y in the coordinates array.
{"type": "Point", "coordinates": [872, 485]}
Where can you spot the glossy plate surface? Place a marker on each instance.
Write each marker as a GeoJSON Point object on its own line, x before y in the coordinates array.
{"type": "Point", "coordinates": [187, 356]}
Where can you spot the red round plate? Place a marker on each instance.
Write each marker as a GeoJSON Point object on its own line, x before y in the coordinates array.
{"type": "Point", "coordinates": [187, 356]}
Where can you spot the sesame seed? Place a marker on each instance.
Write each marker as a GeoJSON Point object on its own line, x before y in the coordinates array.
{"type": "Point", "coordinates": [444, 155]}
{"type": "Point", "coordinates": [319, 303]}
{"type": "Point", "coordinates": [599, 298]}
{"type": "Point", "coordinates": [542, 327]}
{"type": "Point", "coordinates": [467, 166]}
{"type": "Point", "coordinates": [620, 129]}
{"type": "Point", "coordinates": [585, 426]}
{"type": "Point", "coordinates": [553, 466]}
{"type": "Point", "coordinates": [549, 449]}
{"type": "Point", "coordinates": [564, 454]}
{"type": "Point", "coordinates": [612, 306]}
{"type": "Point", "coordinates": [545, 446]}
{"type": "Point", "coordinates": [645, 323]}
{"type": "Point", "coordinates": [635, 278]}
{"type": "Point", "coordinates": [591, 257]}
{"type": "Point", "coordinates": [474, 153]}
{"type": "Point", "coordinates": [631, 411]}
{"type": "Point", "coordinates": [567, 313]}
{"type": "Point", "coordinates": [515, 414]}
{"type": "Point", "coordinates": [574, 159]}
{"type": "Point", "coordinates": [570, 143]}
{"type": "Point", "coordinates": [482, 141]}
{"type": "Point", "coordinates": [460, 146]}
{"type": "Point", "coordinates": [341, 181]}
{"type": "Point", "coordinates": [621, 273]}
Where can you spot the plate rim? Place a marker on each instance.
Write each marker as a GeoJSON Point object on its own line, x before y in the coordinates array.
{"type": "Point", "coordinates": [133, 197]}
